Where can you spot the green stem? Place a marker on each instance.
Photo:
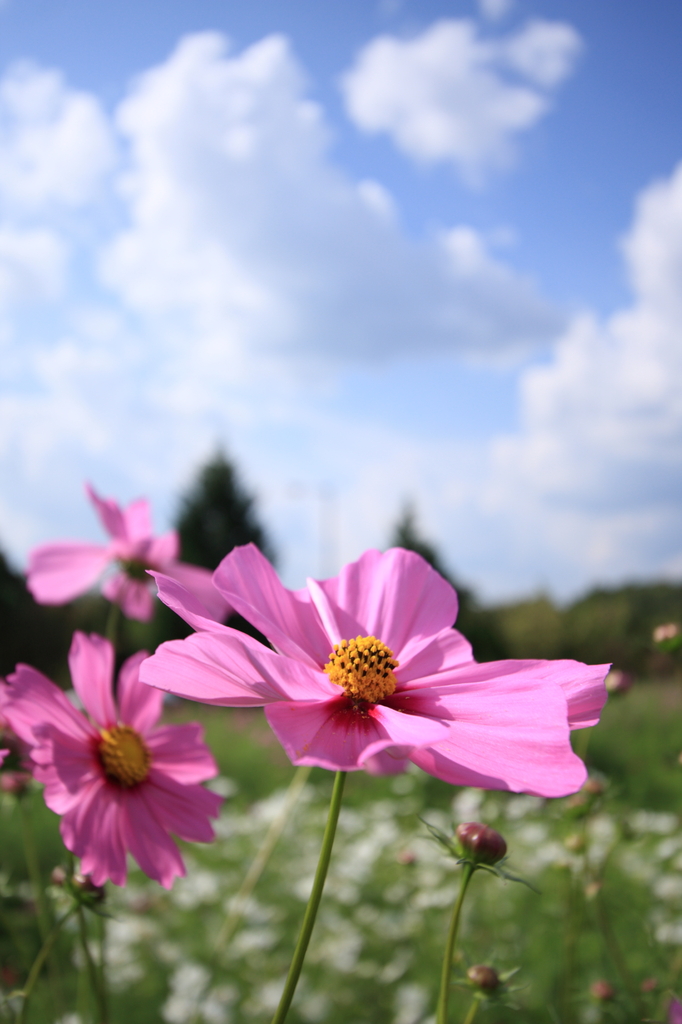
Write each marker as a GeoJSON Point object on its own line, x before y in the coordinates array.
{"type": "Point", "coordinates": [33, 866]}
{"type": "Point", "coordinates": [444, 996]}
{"type": "Point", "coordinates": [102, 973]}
{"type": "Point", "coordinates": [92, 969]}
{"type": "Point", "coordinates": [35, 876]}
{"type": "Point", "coordinates": [612, 945]}
{"type": "Point", "coordinates": [39, 961]}
{"type": "Point", "coordinates": [472, 1011]}
{"type": "Point", "coordinates": [313, 902]}
{"type": "Point", "coordinates": [113, 623]}
{"type": "Point", "coordinates": [263, 856]}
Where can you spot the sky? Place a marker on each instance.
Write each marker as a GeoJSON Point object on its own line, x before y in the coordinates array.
{"type": "Point", "coordinates": [380, 251]}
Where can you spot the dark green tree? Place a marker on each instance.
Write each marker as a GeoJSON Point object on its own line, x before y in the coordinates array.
{"type": "Point", "coordinates": [216, 515]}
{"type": "Point", "coordinates": [478, 624]}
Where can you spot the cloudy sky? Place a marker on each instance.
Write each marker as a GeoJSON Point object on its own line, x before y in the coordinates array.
{"type": "Point", "coordinates": [380, 250]}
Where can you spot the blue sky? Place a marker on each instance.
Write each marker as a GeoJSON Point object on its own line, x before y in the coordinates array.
{"type": "Point", "coordinates": [381, 251]}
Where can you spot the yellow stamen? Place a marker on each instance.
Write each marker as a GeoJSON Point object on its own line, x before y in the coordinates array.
{"type": "Point", "coordinates": [364, 668]}
{"type": "Point", "coordinates": [124, 755]}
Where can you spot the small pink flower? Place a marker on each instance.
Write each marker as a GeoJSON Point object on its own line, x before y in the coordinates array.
{"type": "Point", "coordinates": [60, 571]}
{"type": "Point", "coordinates": [120, 782]}
{"type": "Point", "coordinates": [675, 1011]}
{"type": "Point", "coordinates": [368, 673]}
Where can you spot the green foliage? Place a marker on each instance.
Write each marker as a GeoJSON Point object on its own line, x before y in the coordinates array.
{"type": "Point", "coordinates": [217, 515]}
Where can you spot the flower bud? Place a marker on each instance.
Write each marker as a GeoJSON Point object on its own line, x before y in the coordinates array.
{"type": "Point", "coordinates": [602, 991]}
{"type": "Point", "coordinates": [406, 857]}
{"type": "Point", "coordinates": [87, 887]}
{"type": "Point", "coordinates": [649, 985]}
{"type": "Point", "coordinates": [484, 977]}
{"type": "Point", "coordinates": [481, 844]}
{"type": "Point", "coordinates": [618, 681]}
{"type": "Point", "coordinates": [668, 631]}
{"type": "Point", "coordinates": [592, 889]}
{"type": "Point", "coordinates": [594, 787]}
{"type": "Point", "coordinates": [58, 875]}
{"type": "Point", "coordinates": [14, 782]}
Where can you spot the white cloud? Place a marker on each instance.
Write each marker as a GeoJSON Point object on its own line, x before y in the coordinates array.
{"type": "Point", "coordinates": [595, 473]}
{"type": "Point", "coordinates": [493, 10]}
{"type": "Point", "coordinates": [55, 143]}
{"type": "Point", "coordinates": [451, 95]}
{"type": "Point", "coordinates": [32, 264]}
{"type": "Point", "coordinates": [245, 236]}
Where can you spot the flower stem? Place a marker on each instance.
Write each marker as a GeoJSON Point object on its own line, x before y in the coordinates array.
{"type": "Point", "coordinates": [444, 996]}
{"type": "Point", "coordinates": [39, 961]}
{"type": "Point", "coordinates": [92, 969]}
{"type": "Point", "coordinates": [263, 855]}
{"type": "Point", "coordinates": [113, 623]}
{"type": "Point", "coordinates": [313, 902]}
{"type": "Point", "coordinates": [472, 1011]}
{"type": "Point", "coordinates": [42, 911]}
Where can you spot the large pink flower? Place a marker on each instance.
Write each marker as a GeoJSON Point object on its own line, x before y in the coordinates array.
{"type": "Point", "coordinates": [60, 571]}
{"type": "Point", "coordinates": [119, 781]}
{"type": "Point", "coordinates": [367, 672]}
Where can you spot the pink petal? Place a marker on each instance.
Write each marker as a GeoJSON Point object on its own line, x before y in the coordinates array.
{"type": "Point", "coordinates": [137, 521]}
{"type": "Point", "coordinates": [133, 596]}
{"type": "Point", "coordinates": [180, 753]}
{"type": "Point", "coordinates": [386, 763]}
{"type": "Point", "coordinates": [448, 650]}
{"type": "Point", "coordinates": [149, 843]}
{"type": "Point", "coordinates": [139, 706]}
{"type": "Point", "coordinates": [584, 689]}
{"type": "Point", "coordinates": [59, 572]}
{"type": "Point", "coordinates": [65, 766]}
{"type": "Point", "coordinates": [185, 603]}
{"type": "Point", "coordinates": [91, 661]}
{"type": "Point", "coordinates": [199, 582]}
{"type": "Point", "coordinates": [110, 514]}
{"type": "Point", "coordinates": [93, 831]}
{"type": "Point", "coordinates": [508, 730]}
{"type": "Point", "coordinates": [675, 1011]}
{"type": "Point", "coordinates": [286, 617]}
{"type": "Point", "coordinates": [397, 597]}
{"type": "Point", "coordinates": [232, 669]}
{"type": "Point", "coordinates": [182, 809]}
{"type": "Point", "coordinates": [32, 701]}
{"type": "Point", "coordinates": [163, 550]}
{"type": "Point", "coordinates": [334, 734]}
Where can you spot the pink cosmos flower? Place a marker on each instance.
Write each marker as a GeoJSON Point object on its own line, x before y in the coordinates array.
{"type": "Point", "coordinates": [60, 571]}
{"type": "Point", "coordinates": [368, 673]}
{"type": "Point", "coordinates": [120, 782]}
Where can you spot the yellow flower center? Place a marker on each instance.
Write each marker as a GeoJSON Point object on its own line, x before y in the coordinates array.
{"type": "Point", "coordinates": [364, 668]}
{"type": "Point", "coordinates": [124, 755]}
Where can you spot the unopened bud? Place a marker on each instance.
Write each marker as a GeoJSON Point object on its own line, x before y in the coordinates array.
{"type": "Point", "coordinates": [483, 845]}
{"type": "Point", "coordinates": [602, 991]}
{"type": "Point", "coordinates": [58, 875]}
{"type": "Point", "coordinates": [14, 782]}
{"type": "Point", "coordinates": [484, 977]}
{"type": "Point", "coordinates": [668, 631]}
{"type": "Point", "coordinates": [575, 842]}
{"type": "Point", "coordinates": [649, 985]}
{"type": "Point", "coordinates": [594, 787]}
{"type": "Point", "coordinates": [592, 889]}
{"type": "Point", "coordinates": [86, 885]}
{"type": "Point", "coordinates": [618, 681]}
{"type": "Point", "coordinates": [406, 857]}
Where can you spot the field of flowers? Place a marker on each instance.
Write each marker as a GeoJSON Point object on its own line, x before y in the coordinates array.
{"type": "Point", "coordinates": [607, 862]}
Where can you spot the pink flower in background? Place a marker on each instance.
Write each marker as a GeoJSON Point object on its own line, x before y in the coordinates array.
{"type": "Point", "coordinates": [120, 782]}
{"type": "Point", "coordinates": [60, 571]}
{"type": "Point", "coordinates": [368, 673]}
{"type": "Point", "coordinates": [675, 1011]}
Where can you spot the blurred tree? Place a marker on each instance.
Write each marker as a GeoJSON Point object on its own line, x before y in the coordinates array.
{"type": "Point", "coordinates": [479, 625]}
{"type": "Point", "coordinates": [216, 515]}
{"type": "Point", "coordinates": [29, 632]}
